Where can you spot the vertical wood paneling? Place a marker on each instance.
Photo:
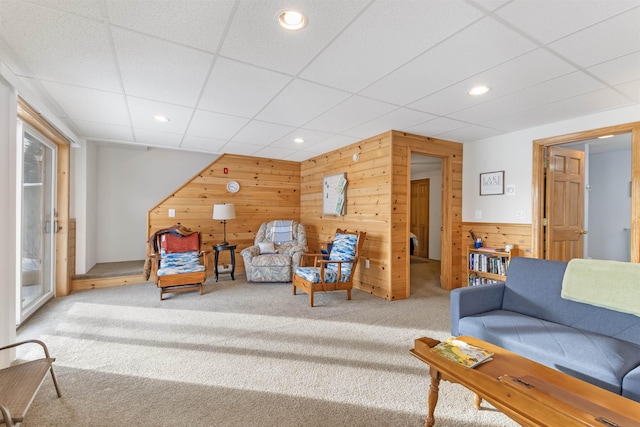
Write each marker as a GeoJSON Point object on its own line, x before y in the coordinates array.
{"type": "Point", "coordinates": [269, 189]}
{"type": "Point", "coordinates": [367, 200]}
{"type": "Point", "coordinates": [378, 202]}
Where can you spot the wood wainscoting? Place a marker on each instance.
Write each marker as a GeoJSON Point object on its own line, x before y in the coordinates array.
{"type": "Point", "coordinates": [496, 235]}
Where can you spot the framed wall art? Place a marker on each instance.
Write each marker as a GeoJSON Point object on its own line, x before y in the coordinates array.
{"type": "Point", "coordinates": [491, 183]}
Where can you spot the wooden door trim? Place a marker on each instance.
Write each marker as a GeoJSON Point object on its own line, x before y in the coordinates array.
{"type": "Point", "coordinates": [537, 190]}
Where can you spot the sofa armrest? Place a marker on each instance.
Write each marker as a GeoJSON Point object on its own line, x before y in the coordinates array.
{"type": "Point", "coordinates": [250, 252]}
{"type": "Point", "coordinates": [474, 300]}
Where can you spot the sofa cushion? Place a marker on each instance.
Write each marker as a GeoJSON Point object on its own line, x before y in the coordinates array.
{"type": "Point", "coordinates": [533, 287]}
{"type": "Point", "coordinates": [595, 358]}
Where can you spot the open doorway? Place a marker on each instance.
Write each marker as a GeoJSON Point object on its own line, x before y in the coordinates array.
{"type": "Point", "coordinates": [606, 229]}
{"type": "Point", "coordinates": [541, 208]}
{"type": "Point", "coordinates": [425, 216]}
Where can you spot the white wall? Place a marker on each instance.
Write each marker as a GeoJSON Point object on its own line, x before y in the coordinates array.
{"type": "Point", "coordinates": [8, 259]}
{"type": "Point", "coordinates": [128, 182]}
{"type": "Point", "coordinates": [610, 205]}
{"type": "Point", "coordinates": [512, 153]}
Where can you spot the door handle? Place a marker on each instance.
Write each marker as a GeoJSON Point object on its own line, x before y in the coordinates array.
{"type": "Point", "coordinates": [581, 231]}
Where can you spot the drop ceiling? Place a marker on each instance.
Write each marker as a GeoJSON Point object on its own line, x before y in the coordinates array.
{"type": "Point", "coordinates": [231, 80]}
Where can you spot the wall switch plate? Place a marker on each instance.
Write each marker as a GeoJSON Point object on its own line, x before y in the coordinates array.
{"type": "Point", "coordinates": [172, 213]}
{"type": "Point", "coordinates": [366, 263]}
{"type": "Point", "coordinates": [478, 214]}
{"type": "Point", "coordinates": [521, 215]}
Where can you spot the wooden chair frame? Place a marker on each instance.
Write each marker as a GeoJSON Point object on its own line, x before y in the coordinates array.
{"type": "Point", "coordinates": [183, 282]}
{"type": "Point", "coordinates": [317, 260]}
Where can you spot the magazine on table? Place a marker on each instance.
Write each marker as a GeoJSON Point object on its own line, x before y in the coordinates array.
{"type": "Point", "coordinates": [463, 353]}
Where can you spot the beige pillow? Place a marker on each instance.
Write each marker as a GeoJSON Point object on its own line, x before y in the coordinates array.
{"type": "Point", "coordinates": [267, 248]}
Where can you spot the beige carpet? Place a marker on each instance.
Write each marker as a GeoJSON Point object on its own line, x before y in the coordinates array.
{"type": "Point", "coordinates": [245, 355]}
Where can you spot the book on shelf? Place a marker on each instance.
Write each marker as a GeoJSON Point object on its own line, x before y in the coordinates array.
{"type": "Point", "coordinates": [461, 352]}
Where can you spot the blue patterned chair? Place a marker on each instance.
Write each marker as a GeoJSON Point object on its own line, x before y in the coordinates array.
{"type": "Point", "coordinates": [179, 265]}
{"type": "Point", "coordinates": [276, 251]}
{"type": "Point", "coordinates": [335, 273]}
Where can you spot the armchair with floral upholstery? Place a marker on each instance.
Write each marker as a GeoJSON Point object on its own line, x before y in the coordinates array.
{"type": "Point", "coordinates": [276, 252]}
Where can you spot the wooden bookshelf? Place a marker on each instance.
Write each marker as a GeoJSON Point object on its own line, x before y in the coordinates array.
{"type": "Point", "coordinates": [487, 265]}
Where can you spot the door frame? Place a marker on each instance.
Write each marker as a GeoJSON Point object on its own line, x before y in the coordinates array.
{"type": "Point", "coordinates": [29, 115]}
{"type": "Point", "coordinates": [538, 183]}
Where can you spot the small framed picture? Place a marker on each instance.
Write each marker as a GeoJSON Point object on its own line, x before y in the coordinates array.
{"type": "Point", "coordinates": [491, 183]}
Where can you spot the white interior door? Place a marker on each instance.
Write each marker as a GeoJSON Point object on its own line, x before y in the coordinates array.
{"type": "Point", "coordinates": [37, 221]}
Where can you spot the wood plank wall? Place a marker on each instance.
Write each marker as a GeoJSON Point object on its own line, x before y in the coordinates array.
{"type": "Point", "coordinates": [496, 235]}
{"type": "Point", "coordinates": [368, 206]}
{"type": "Point", "coordinates": [452, 252]}
{"type": "Point", "coordinates": [269, 189]}
{"type": "Point", "coordinates": [378, 202]}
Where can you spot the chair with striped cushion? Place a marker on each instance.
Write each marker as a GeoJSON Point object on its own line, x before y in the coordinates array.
{"type": "Point", "coordinates": [335, 273]}
{"type": "Point", "coordinates": [179, 265]}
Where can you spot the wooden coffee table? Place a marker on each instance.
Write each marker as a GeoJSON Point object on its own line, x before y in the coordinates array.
{"type": "Point", "coordinates": [526, 391]}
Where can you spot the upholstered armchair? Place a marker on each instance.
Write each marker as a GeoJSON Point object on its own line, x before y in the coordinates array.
{"type": "Point", "coordinates": [276, 252]}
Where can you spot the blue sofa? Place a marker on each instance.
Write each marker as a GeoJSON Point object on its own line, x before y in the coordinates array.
{"type": "Point", "coordinates": [528, 316]}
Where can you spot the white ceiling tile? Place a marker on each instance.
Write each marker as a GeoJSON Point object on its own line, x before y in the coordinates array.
{"type": "Point", "coordinates": [436, 126]}
{"type": "Point", "coordinates": [309, 136]}
{"type": "Point", "coordinates": [400, 119]}
{"type": "Point", "coordinates": [256, 38]}
{"type": "Point", "coordinates": [60, 47]}
{"type": "Point", "coordinates": [519, 73]}
{"type": "Point", "coordinates": [631, 90]}
{"type": "Point", "coordinates": [610, 39]}
{"type": "Point", "coordinates": [90, 104]}
{"type": "Point", "coordinates": [489, 4]}
{"type": "Point", "coordinates": [87, 9]}
{"type": "Point", "coordinates": [548, 20]}
{"type": "Point", "coordinates": [353, 111]}
{"type": "Point", "coordinates": [234, 147]}
{"type": "Point", "coordinates": [142, 112]}
{"type": "Point", "coordinates": [198, 143]}
{"type": "Point", "coordinates": [333, 143]}
{"type": "Point", "coordinates": [160, 70]}
{"type": "Point", "coordinates": [618, 70]}
{"type": "Point", "coordinates": [261, 133]}
{"type": "Point", "coordinates": [477, 48]}
{"type": "Point", "coordinates": [198, 24]}
{"type": "Point", "coordinates": [564, 109]}
{"type": "Point", "coordinates": [274, 152]}
{"type": "Point", "coordinates": [300, 102]}
{"type": "Point", "coordinates": [299, 156]}
{"type": "Point", "coordinates": [570, 85]}
{"type": "Point", "coordinates": [104, 131]}
{"type": "Point", "coordinates": [240, 89]}
{"type": "Point", "coordinates": [469, 133]}
{"type": "Point", "coordinates": [155, 138]}
{"type": "Point", "coordinates": [370, 46]}
{"type": "Point", "coordinates": [215, 126]}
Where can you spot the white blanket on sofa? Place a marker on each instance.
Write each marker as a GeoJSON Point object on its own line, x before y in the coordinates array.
{"type": "Point", "coordinates": [610, 284]}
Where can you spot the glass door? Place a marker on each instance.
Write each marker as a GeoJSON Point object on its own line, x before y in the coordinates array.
{"type": "Point", "coordinates": [37, 221]}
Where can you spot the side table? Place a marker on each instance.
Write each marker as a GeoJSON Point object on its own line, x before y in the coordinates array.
{"type": "Point", "coordinates": [232, 250]}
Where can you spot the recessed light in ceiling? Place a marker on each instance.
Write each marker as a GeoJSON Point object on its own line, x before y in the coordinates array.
{"type": "Point", "coordinates": [292, 20]}
{"type": "Point", "coordinates": [160, 118]}
{"type": "Point", "coordinates": [298, 140]}
{"type": "Point", "coordinates": [479, 90]}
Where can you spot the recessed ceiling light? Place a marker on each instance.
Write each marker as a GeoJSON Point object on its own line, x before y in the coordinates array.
{"type": "Point", "coordinates": [479, 90]}
{"type": "Point", "coordinates": [298, 140]}
{"type": "Point", "coordinates": [160, 119]}
{"type": "Point", "coordinates": [292, 20]}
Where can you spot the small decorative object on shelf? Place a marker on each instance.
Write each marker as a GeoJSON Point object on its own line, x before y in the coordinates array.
{"type": "Point", "coordinates": [487, 264]}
